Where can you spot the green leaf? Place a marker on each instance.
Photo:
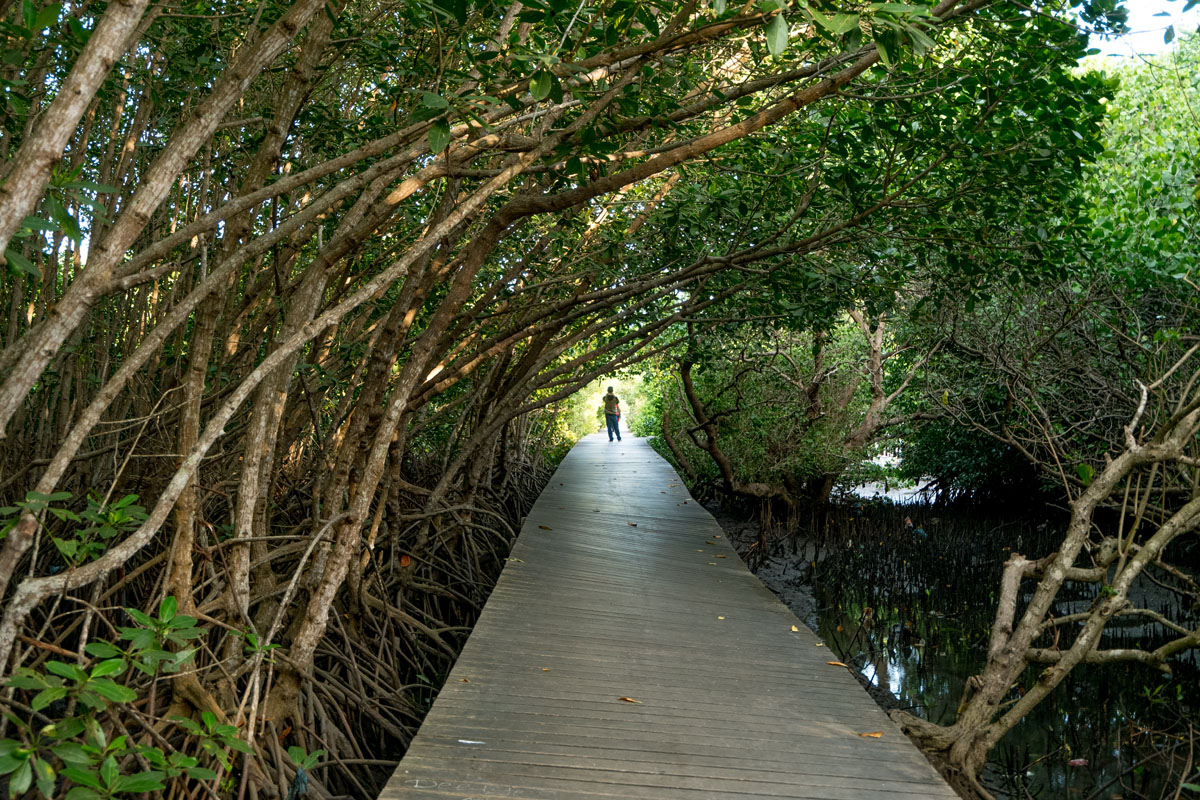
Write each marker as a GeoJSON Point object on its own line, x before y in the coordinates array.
{"type": "Point", "coordinates": [431, 100]}
{"type": "Point", "coordinates": [140, 618]}
{"type": "Point", "coordinates": [201, 773]}
{"type": "Point", "coordinates": [20, 263]}
{"type": "Point", "coordinates": [46, 17]}
{"type": "Point", "coordinates": [141, 782]}
{"type": "Point", "coordinates": [188, 725]}
{"type": "Point", "coordinates": [239, 745]}
{"type": "Point", "coordinates": [112, 666]}
{"type": "Point", "coordinates": [98, 188]}
{"type": "Point", "coordinates": [900, 8]}
{"type": "Point", "coordinates": [101, 650]}
{"type": "Point", "coordinates": [45, 775]}
{"type": "Point", "coordinates": [71, 752]}
{"type": "Point", "coordinates": [109, 772]}
{"type": "Point", "coordinates": [105, 687]}
{"type": "Point", "coordinates": [1169, 34]}
{"type": "Point", "coordinates": [35, 224]}
{"type": "Point", "coordinates": [882, 48]}
{"type": "Point", "coordinates": [841, 24]}
{"type": "Point", "coordinates": [53, 497]}
{"type": "Point", "coordinates": [20, 779]}
{"type": "Point", "coordinates": [539, 85]}
{"type": "Point", "coordinates": [439, 136]}
{"type": "Point", "coordinates": [47, 696]}
{"type": "Point", "coordinates": [8, 761]}
{"type": "Point", "coordinates": [777, 35]}
{"type": "Point", "coordinates": [68, 671]}
{"type": "Point", "coordinates": [82, 793]}
{"type": "Point", "coordinates": [1086, 473]}
{"type": "Point", "coordinates": [83, 777]}
{"type": "Point", "coordinates": [166, 610]}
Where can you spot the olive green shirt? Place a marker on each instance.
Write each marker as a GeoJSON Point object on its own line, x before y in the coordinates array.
{"type": "Point", "coordinates": [611, 404]}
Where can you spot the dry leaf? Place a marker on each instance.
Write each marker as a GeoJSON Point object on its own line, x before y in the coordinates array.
{"type": "Point", "coordinates": [722, 556]}
{"type": "Point", "coordinates": [717, 536]}
{"type": "Point", "coordinates": [795, 629]}
{"type": "Point", "coordinates": [463, 680]}
{"type": "Point", "coordinates": [405, 560]}
{"type": "Point", "coordinates": [629, 700]}
{"type": "Point", "coordinates": [710, 542]}
{"type": "Point", "coordinates": [631, 524]}
{"type": "Point", "coordinates": [872, 735]}
{"type": "Point", "coordinates": [820, 644]}
{"type": "Point", "coordinates": [720, 618]}
{"type": "Point", "coordinates": [545, 669]}
{"type": "Point", "coordinates": [836, 664]}
{"type": "Point", "coordinates": [519, 561]}
{"type": "Point", "coordinates": [712, 563]}
{"type": "Point", "coordinates": [545, 527]}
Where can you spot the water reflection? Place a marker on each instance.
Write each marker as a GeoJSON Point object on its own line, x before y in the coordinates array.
{"type": "Point", "coordinates": [912, 613]}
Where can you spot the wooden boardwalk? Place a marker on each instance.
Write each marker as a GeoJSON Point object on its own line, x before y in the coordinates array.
{"type": "Point", "coordinates": [621, 588]}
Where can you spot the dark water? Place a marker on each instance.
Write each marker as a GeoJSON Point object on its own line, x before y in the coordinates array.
{"type": "Point", "coordinates": [911, 609]}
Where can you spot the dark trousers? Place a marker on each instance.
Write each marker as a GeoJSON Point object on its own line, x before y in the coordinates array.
{"type": "Point", "coordinates": [614, 428]}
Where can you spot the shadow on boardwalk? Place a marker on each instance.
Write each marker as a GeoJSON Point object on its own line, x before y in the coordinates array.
{"type": "Point", "coordinates": [620, 589]}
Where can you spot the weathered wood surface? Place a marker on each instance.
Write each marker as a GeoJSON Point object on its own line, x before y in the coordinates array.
{"type": "Point", "coordinates": [620, 585]}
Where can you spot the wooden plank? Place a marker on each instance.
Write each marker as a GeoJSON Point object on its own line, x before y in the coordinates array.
{"type": "Point", "coordinates": [621, 585]}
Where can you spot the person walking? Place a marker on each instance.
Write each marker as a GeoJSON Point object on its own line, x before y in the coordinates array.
{"type": "Point", "coordinates": [612, 414]}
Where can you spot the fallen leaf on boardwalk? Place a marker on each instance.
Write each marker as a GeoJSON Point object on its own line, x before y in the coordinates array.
{"type": "Point", "coordinates": [836, 664]}
{"type": "Point", "coordinates": [631, 524]}
{"type": "Point", "coordinates": [872, 735]}
{"type": "Point", "coordinates": [519, 561]}
{"type": "Point", "coordinates": [545, 527]}
{"type": "Point", "coordinates": [795, 629]}
{"type": "Point", "coordinates": [545, 669]}
{"type": "Point", "coordinates": [717, 536]}
{"type": "Point", "coordinates": [710, 542]}
{"type": "Point", "coordinates": [405, 560]}
{"type": "Point", "coordinates": [713, 563]}
{"type": "Point", "coordinates": [820, 644]}
{"type": "Point", "coordinates": [722, 556]}
{"type": "Point", "coordinates": [463, 680]}
{"type": "Point", "coordinates": [629, 700]}
{"type": "Point", "coordinates": [699, 551]}
{"type": "Point", "coordinates": [720, 618]}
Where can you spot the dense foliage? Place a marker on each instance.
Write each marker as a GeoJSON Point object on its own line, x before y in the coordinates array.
{"type": "Point", "coordinates": [295, 293]}
{"type": "Point", "coordinates": [1071, 375]}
